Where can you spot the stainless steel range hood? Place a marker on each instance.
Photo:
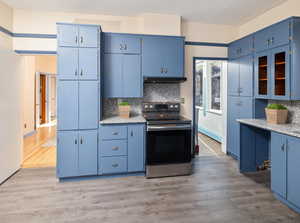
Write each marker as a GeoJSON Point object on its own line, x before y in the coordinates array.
{"type": "Point", "coordinates": [164, 79]}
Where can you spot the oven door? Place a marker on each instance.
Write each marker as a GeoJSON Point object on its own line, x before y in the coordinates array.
{"type": "Point", "coordinates": [169, 144]}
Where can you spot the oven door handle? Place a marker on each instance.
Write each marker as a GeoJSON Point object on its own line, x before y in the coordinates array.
{"type": "Point", "coordinates": [151, 128]}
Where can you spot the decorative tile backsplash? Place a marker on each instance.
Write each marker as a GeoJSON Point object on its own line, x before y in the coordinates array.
{"type": "Point", "coordinates": [152, 93]}
{"type": "Point", "coordinates": [294, 110]}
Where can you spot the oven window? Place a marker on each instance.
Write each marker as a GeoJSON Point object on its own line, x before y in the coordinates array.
{"type": "Point", "coordinates": [167, 147]}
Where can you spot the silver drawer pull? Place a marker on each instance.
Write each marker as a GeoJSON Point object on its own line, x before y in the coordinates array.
{"type": "Point", "coordinates": [115, 133]}
{"type": "Point", "coordinates": [115, 165]}
{"type": "Point", "coordinates": [115, 148]}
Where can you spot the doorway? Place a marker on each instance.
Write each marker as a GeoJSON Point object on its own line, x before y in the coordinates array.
{"type": "Point", "coordinates": [39, 148]}
{"type": "Point", "coordinates": [210, 77]}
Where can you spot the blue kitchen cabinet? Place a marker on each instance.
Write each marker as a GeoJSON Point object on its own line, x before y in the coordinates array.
{"type": "Point", "coordinates": [78, 105]}
{"type": "Point", "coordinates": [162, 56]}
{"type": "Point", "coordinates": [122, 76]}
{"type": "Point", "coordinates": [240, 76]}
{"type": "Point", "coordinates": [88, 106]}
{"type": "Point", "coordinates": [113, 165]}
{"type": "Point", "coordinates": [241, 47]}
{"type": "Point", "coordinates": [88, 36]}
{"type": "Point", "coordinates": [67, 65]}
{"type": "Point", "coordinates": [136, 144]}
{"type": "Point", "coordinates": [122, 43]}
{"type": "Point", "coordinates": [67, 154]}
{"type": "Point", "coordinates": [262, 75]}
{"type": "Point", "coordinates": [111, 132]}
{"type": "Point", "coordinates": [88, 63]}
{"type": "Point", "coordinates": [113, 75]}
{"type": "Point", "coordinates": [88, 152]}
{"type": "Point", "coordinates": [278, 168]}
{"type": "Point", "coordinates": [74, 35]}
{"type": "Point", "coordinates": [77, 153]}
{"type": "Point", "coordinates": [238, 108]}
{"type": "Point", "coordinates": [293, 167]}
{"type": "Point", "coordinates": [116, 147]}
{"type": "Point", "coordinates": [272, 36]}
{"type": "Point", "coordinates": [67, 105]}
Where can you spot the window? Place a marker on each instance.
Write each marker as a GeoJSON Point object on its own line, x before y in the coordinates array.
{"type": "Point", "coordinates": [209, 84]}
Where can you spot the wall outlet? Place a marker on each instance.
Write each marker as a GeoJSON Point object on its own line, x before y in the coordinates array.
{"type": "Point", "coordinates": [182, 100]}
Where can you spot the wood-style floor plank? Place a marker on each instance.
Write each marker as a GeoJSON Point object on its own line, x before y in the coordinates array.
{"type": "Point", "coordinates": [216, 192]}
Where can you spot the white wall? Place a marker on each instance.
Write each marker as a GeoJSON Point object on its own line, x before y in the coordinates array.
{"type": "Point", "coordinates": [6, 14]}
{"type": "Point", "coordinates": [285, 10]}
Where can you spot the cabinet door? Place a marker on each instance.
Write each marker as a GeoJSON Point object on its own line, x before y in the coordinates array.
{"type": "Point", "coordinates": [88, 153]}
{"type": "Point", "coordinates": [280, 73]}
{"type": "Point", "coordinates": [113, 66]}
{"type": "Point", "coordinates": [67, 63]}
{"type": "Point", "coordinates": [88, 104]}
{"type": "Point", "coordinates": [132, 77]}
{"type": "Point", "coordinates": [131, 44]}
{"type": "Point", "coordinates": [246, 76]}
{"type": "Point", "coordinates": [280, 34]}
{"type": "Point", "coordinates": [278, 168]}
{"type": "Point", "coordinates": [293, 167]}
{"type": "Point", "coordinates": [88, 63]}
{"type": "Point", "coordinates": [233, 50]}
{"type": "Point", "coordinates": [173, 57]}
{"type": "Point", "coordinates": [67, 105]}
{"type": "Point", "coordinates": [67, 154]}
{"type": "Point", "coordinates": [67, 35]}
{"type": "Point", "coordinates": [233, 77]}
{"type": "Point", "coordinates": [246, 107]}
{"type": "Point", "coordinates": [232, 127]}
{"type": "Point", "coordinates": [116, 43]}
{"type": "Point", "coordinates": [88, 36]}
{"type": "Point", "coordinates": [262, 40]}
{"type": "Point", "coordinates": [136, 148]}
{"type": "Point", "coordinates": [153, 57]}
{"type": "Point", "coordinates": [246, 46]}
{"type": "Point", "coordinates": [262, 75]}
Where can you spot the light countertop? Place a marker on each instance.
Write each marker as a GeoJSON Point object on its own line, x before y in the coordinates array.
{"type": "Point", "coordinates": [288, 129]}
{"type": "Point", "coordinates": [119, 120]}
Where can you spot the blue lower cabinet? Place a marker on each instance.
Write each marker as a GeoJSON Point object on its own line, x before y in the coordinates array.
{"type": "Point", "coordinates": [77, 153]}
{"type": "Point", "coordinates": [113, 148]}
{"type": "Point", "coordinates": [88, 149]}
{"type": "Point", "coordinates": [278, 169]}
{"type": "Point", "coordinates": [136, 144]}
{"type": "Point", "coordinates": [293, 167]}
{"type": "Point", "coordinates": [111, 165]}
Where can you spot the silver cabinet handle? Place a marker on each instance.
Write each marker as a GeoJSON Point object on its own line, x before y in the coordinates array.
{"type": "Point", "coordinates": [75, 141]}
{"type": "Point", "coordinates": [75, 72]}
{"type": "Point", "coordinates": [282, 147]}
{"type": "Point", "coordinates": [166, 70]}
{"type": "Point", "coordinates": [115, 133]}
{"type": "Point", "coordinates": [125, 48]}
{"type": "Point", "coordinates": [76, 39]}
{"type": "Point", "coordinates": [268, 41]}
{"type": "Point", "coordinates": [81, 39]}
{"type": "Point", "coordinates": [115, 165]}
{"type": "Point", "coordinates": [81, 72]}
{"type": "Point", "coordinates": [272, 40]}
{"type": "Point", "coordinates": [115, 148]}
{"type": "Point", "coordinates": [161, 70]}
{"type": "Point", "coordinates": [81, 141]}
{"type": "Point", "coordinates": [131, 133]}
{"type": "Point", "coordinates": [121, 47]}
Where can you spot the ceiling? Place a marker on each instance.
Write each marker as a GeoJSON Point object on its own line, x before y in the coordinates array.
{"type": "Point", "coordinates": [230, 12]}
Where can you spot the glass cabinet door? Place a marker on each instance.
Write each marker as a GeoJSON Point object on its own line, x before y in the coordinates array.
{"type": "Point", "coordinates": [280, 73]}
{"type": "Point", "coordinates": [262, 69]}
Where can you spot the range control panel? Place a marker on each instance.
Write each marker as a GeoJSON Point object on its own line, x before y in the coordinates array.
{"type": "Point", "coordinates": [161, 107]}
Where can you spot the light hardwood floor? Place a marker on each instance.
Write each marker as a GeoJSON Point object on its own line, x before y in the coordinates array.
{"type": "Point", "coordinates": [35, 153]}
{"type": "Point", "coordinates": [215, 193]}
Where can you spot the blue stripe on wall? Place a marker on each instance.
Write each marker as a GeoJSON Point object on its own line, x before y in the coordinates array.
{"type": "Point", "coordinates": [6, 31]}
{"type": "Point", "coordinates": [191, 43]}
{"type": "Point", "coordinates": [210, 134]}
{"type": "Point", "coordinates": [34, 35]}
{"type": "Point", "coordinates": [34, 52]}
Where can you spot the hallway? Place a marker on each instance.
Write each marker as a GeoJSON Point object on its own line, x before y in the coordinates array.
{"type": "Point", "coordinates": [39, 150]}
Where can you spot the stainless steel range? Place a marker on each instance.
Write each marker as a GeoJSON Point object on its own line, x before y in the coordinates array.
{"type": "Point", "coordinates": [169, 140]}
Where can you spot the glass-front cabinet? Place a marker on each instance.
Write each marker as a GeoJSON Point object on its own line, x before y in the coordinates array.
{"type": "Point", "coordinates": [272, 74]}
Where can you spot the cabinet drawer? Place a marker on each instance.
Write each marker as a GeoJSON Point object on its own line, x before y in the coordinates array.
{"type": "Point", "coordinates": [113, 165]}
{"type": "Point", "coordinates": [113, 148]}
{"type": "Point", "coordinates": [113, 132]}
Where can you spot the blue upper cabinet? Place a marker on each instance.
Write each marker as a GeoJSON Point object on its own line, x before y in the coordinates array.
{"type": "Point", "coordinates": [73, 35]}
{"type": "Point", "coordinates": [88, 63]}
{"type": "Point", "coordinates": [162, 56]}
{"type": "Point", "coordinates": [136, 153]}
{"type": "Point", "coordinates": [122, 43]}
{"type": "Point", "coordinates": [67, 66]}
{"type": "Point", "coordinates": [273, 36]}
{"type": "Point", "coordinates": [67, 35]}
{"type": "Point", "coordinates": [89, 36]}
{"type": "Point", "coordinates": [241, 47]}
{"type": "Point", "coordinates": [233, 77]}
{"type": "Point", "coordinates": [113, 75]}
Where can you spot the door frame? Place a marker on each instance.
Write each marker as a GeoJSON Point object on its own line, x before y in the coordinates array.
{"type": "Point", "coordinates": [224, 100]}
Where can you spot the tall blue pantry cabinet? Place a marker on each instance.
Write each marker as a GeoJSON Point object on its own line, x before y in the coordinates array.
{"type": "Point", "coordinates": [78, 99]}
